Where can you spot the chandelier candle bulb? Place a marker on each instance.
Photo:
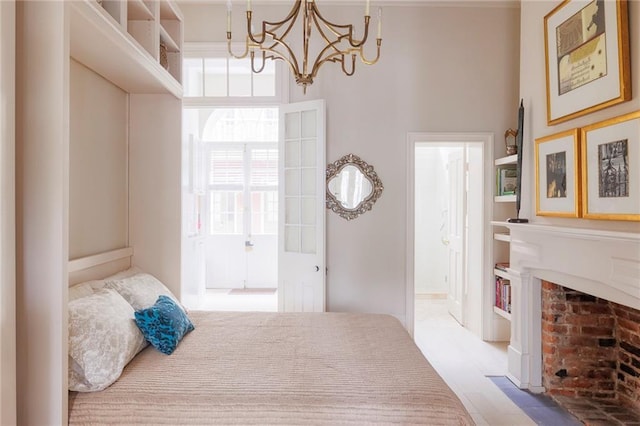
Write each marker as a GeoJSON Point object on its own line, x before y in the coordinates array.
{"type": "Point", "coordinates": [379, 22]}
{"type": "Point", "coordinates": [229, 16]}
{"type": "Point", "coordinates": [366, 9]}
{"type": "Point", "coordinates": [248, 5]}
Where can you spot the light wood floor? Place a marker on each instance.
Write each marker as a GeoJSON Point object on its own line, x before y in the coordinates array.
{"type": "Point", "coordinates": [223, 300]}
{"type": "Point", "coordinates": [464, 361]}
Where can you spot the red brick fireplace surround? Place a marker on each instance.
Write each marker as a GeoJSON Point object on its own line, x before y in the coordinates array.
{"type": "Point", "coordinates": [591, 355]}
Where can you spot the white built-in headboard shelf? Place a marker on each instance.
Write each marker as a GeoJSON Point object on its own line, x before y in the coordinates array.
{"type": "Point", "coordinates": [98, 259]}
{"type": "Point", "coordinates": [99, 265]}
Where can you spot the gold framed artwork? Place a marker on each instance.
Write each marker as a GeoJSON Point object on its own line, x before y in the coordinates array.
{"type": "Point", "coordinates": [610, 162]}
{"type": "Point", "coordinates": [587, 57]}
{"type": "Point", "coordinates": [557, 169]}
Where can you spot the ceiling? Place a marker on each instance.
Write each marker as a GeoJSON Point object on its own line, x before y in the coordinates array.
{"type": "Point", "coordinates": [376, 3]}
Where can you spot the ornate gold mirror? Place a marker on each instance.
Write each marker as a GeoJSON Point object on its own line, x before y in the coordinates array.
{"type": "Point", "coordinates": [353, 186]}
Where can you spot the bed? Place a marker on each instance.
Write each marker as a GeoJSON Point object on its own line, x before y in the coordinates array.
{"type": "Point", "coordinates": [277, 368]}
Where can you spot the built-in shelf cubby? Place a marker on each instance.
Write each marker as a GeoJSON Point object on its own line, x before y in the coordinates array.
{"type": "Point", "coordinates": [504, 207]}
{"type": "Point", "coordinates": [145, 25]}
{"type": "Point", "coordinates": [171, 36]}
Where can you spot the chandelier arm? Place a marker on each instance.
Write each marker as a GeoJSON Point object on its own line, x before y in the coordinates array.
{"type": "Point", "coordinates": [230, 50]}
{"type": "Point", "coordinates": [250, 32]}
{"type": "Point", "coordinates": [336, 56]}
{"type": "Point", "coordinates": [264, 59]}
{"type": "Point", "coordinates": [301, 79]}
{"type": "Point", "coordinates": [277, 57]}
{"type": "Point", "coordinates": [293, 63]}
{"type": "Point", "coordinates": [374, 60]}
{"type": "Point", "coordinates": [291, 18]}
{"type": "Point", "coordinates": [329, 44]}
{"type": "Point", "coordinates": [333, 27]}
{"type": "Point", "coordinates": [353, 65]}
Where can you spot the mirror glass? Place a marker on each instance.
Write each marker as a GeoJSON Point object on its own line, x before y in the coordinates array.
{"type": "Point", "coordinates": [350, 187]}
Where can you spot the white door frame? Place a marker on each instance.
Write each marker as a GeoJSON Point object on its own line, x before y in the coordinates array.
{"type": "Point", "coordinates": [486, 139]}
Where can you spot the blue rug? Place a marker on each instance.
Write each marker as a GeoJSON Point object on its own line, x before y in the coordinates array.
{"type": "Point", "coordinates": [540, 408]}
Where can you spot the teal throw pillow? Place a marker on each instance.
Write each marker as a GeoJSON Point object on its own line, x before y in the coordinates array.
{"type": "Point", "coordinates": [163, 324]}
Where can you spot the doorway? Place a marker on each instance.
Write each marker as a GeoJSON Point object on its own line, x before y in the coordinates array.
{"type": "Point", "coordinates": [446, 242]}
{"type": "Point", "coordinates": [253, 207]}
{"type": "Point", "coordinates": [234, 182]}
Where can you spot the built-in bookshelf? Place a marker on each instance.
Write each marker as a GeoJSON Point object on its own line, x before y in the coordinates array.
{"type": "Point", "coordinates": [502, 313]}
{"type": "Point", "coordinates": [504, 207]}
{"type": "Point", "coordinates": [502, 236]}
{"type": "Point", "coordinates": [151, 29]}
{"type": "Point", "coordinates": [506, 177]}
{"type": "Point", "coordinates": [502, 299]}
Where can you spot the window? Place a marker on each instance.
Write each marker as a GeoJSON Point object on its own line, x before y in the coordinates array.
{"type": "Point", "coordinates": [242, 177]}
{"type": "Point", "coordinates": [240, 166]}
{"type": "Point", "coordinates": [209, 72]}
{"type": "Point", "coordinates": [232, 114]}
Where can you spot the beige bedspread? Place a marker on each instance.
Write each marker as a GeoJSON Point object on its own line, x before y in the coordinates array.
{"type": "Point", "coordinates": [269, 368]}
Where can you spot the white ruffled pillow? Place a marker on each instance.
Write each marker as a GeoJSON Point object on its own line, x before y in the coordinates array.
{"type": "Point", "coordinates": [141, 290]}
{"type": "Point", "coordinates": [86, 288]}
{"type": "Point", "coordinates": [80, 290]}
{"type": "Point", "coordinates": [98, 284]}
{"type": "Point", "coordinates": [103, 338]}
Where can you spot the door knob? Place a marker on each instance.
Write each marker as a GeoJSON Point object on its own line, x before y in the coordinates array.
{"type": "Point", "coordinates": [445, 241]}
{"type": "Point", "coordinates": [317, 268]}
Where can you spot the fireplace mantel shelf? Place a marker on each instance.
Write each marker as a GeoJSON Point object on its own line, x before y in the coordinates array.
{"type": "Point", "coordinates": [583, 233]}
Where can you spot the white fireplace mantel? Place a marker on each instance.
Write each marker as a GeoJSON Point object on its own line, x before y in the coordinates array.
{"type": "Point", "coordinates": [604, 264]}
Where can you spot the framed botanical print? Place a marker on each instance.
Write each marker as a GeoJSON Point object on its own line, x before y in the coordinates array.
{"type": "Point", "coordinates": [557, 168]}
{"type": "Point", "coordinates": [611, 168]}
{"type": "Point", "coordinates": [587, 57]}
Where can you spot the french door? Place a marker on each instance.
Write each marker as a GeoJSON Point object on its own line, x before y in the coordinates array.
{"type": "Point", "coordinates": [242, 215]}
{"type": "Point", "coordinates": [301, 255]}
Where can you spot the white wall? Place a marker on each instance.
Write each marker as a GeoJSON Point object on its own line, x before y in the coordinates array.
{"type": "Point", "coordinates": [7, 215]}
{"type": "Point", "coordinates": [442, 69]}
{"type": "Point", "coordinates": [533, 91]}
{"type": "Point", "coordinates": [155, 186]}
{"type": "Point", "coordinates": [431, 187]}
{"type": "Point", "coordinates": [98, 164]}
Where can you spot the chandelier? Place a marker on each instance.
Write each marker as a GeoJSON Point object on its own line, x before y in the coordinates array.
{"type": "Point", "coordinates": [340, 43]}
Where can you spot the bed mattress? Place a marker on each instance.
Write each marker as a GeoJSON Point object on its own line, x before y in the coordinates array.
{"type": "Point", "coordinates": [278, 368]}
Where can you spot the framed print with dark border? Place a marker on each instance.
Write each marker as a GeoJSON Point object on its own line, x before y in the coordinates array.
{"type": "Point", "coordinates": [611, 168]}
{"type": "Point", "coordinates": [587, 57]}
{"type": "Point", "coordinates": [558, 174]}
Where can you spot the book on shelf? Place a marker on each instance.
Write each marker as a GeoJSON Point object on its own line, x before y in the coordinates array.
{"type": "Point", "coordinates": [506, 181]}
{"type": "Point", "coordinates": [503, 294]}
{"type": "Point", "coordinates": [502, 266]}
